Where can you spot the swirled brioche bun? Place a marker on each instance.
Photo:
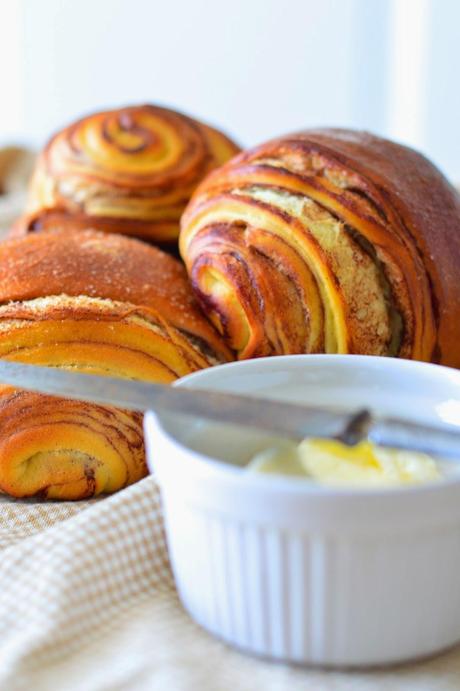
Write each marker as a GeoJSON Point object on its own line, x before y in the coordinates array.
{"type": "Point", "coordinates": [92, 303]}
{"type": "Point", "coordinates": [130, 170]}
{"type": "Point", "coordinates": [328, 241]}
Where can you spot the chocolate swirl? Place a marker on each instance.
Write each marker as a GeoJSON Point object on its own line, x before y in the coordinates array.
{"type": "Point", "coordinates": [328, 241]}
{"type": "Point", "coordinates": [130, 170]}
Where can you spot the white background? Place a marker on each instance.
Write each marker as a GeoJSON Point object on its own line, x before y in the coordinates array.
{"type": "Point", "coordinates": [257, 68]}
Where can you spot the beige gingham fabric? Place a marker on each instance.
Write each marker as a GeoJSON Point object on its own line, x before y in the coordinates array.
{"type": "Point", "coordinates": [87, 603]}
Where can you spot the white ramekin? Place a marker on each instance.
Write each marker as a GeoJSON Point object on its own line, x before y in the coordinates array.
{"type": "Point", "coordinates": [299, 572]}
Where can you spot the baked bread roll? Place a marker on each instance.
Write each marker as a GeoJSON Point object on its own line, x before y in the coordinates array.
{"type": "Point", "coordinates": [328, 241]}
{"type": "Point", "coordinates": [92, 303]}
{"type": "Point", "coordinates": [16, 165]}
{"type": "Point", "coordinates": [130, 171]}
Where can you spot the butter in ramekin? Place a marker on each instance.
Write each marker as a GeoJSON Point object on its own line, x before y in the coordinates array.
{"type": "Point", "coordinates": [330, 462]}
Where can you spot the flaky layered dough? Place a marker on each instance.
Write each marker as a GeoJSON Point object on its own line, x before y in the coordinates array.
{"type": "Point", "coordinates": [66, 449]}
{"type": "Point", "coordinates": [108, 266]}
{"type": "Point", "coordinates": [328, 241]}
{"type": "Point", "coordinates": [130, 170]}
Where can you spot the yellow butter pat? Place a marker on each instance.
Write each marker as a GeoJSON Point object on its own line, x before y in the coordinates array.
{"type": "Point", "coordinates": [331, 462]}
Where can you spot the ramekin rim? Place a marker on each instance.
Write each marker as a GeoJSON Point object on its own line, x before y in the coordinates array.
{"type": "Point", "coordinates": [301, 485]}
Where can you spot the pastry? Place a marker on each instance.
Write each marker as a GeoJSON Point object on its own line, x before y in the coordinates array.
{"type": "Point", "coordinates": [130, 171]}
{"type": "Point", "coordinates": [94, 303]}
{"type": "Point", "coordinates": [16, 165]}
{"type": "Point", "coordinates": [328, 241]}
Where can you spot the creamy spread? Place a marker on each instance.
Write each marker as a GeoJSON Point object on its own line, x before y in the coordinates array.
{"type": "Point", "coordinates": [331, 462]}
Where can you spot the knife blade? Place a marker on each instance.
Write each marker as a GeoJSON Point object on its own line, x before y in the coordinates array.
{"type": "Point", "coordinates": [264, 414]}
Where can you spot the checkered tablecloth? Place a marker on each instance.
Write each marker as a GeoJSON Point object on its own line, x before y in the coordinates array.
{"type": "Point", "coordinates": [87, 603]}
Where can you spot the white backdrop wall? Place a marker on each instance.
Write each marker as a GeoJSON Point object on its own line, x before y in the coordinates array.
{"type": "Point", "coordinates": [257, 68]}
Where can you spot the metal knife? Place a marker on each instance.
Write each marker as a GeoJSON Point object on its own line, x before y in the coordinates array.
{"type": "Point", "coordinates": [264, 414]}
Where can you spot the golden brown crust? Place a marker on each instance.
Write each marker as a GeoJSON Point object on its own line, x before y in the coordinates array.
{"type": "Point", "coordinates": [70, 449]}
{"type": "Point", "coordinates": [105, 266]}
{"type": "Point", "coordinates": [97, 304]}
{"type": "Point", "coordinates": [133, 169]}
{"type": "Point", "coordinates": [64, 220]}
{"type": "Point", "coordinates": [62, 449]}
{"type": "Point", "coordinates": [360, 235]}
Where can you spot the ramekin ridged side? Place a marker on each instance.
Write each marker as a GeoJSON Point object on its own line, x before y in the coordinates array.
{"type": "Point", "coordinates": [309, 575]}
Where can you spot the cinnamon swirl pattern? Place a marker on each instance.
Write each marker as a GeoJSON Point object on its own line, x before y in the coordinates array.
{"type": "Point", "coordinates": [130, 171]}
{"type": "Point", "coordinates": [328, 241]}
{"type": "Point", "coordinates": [63, 306]}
